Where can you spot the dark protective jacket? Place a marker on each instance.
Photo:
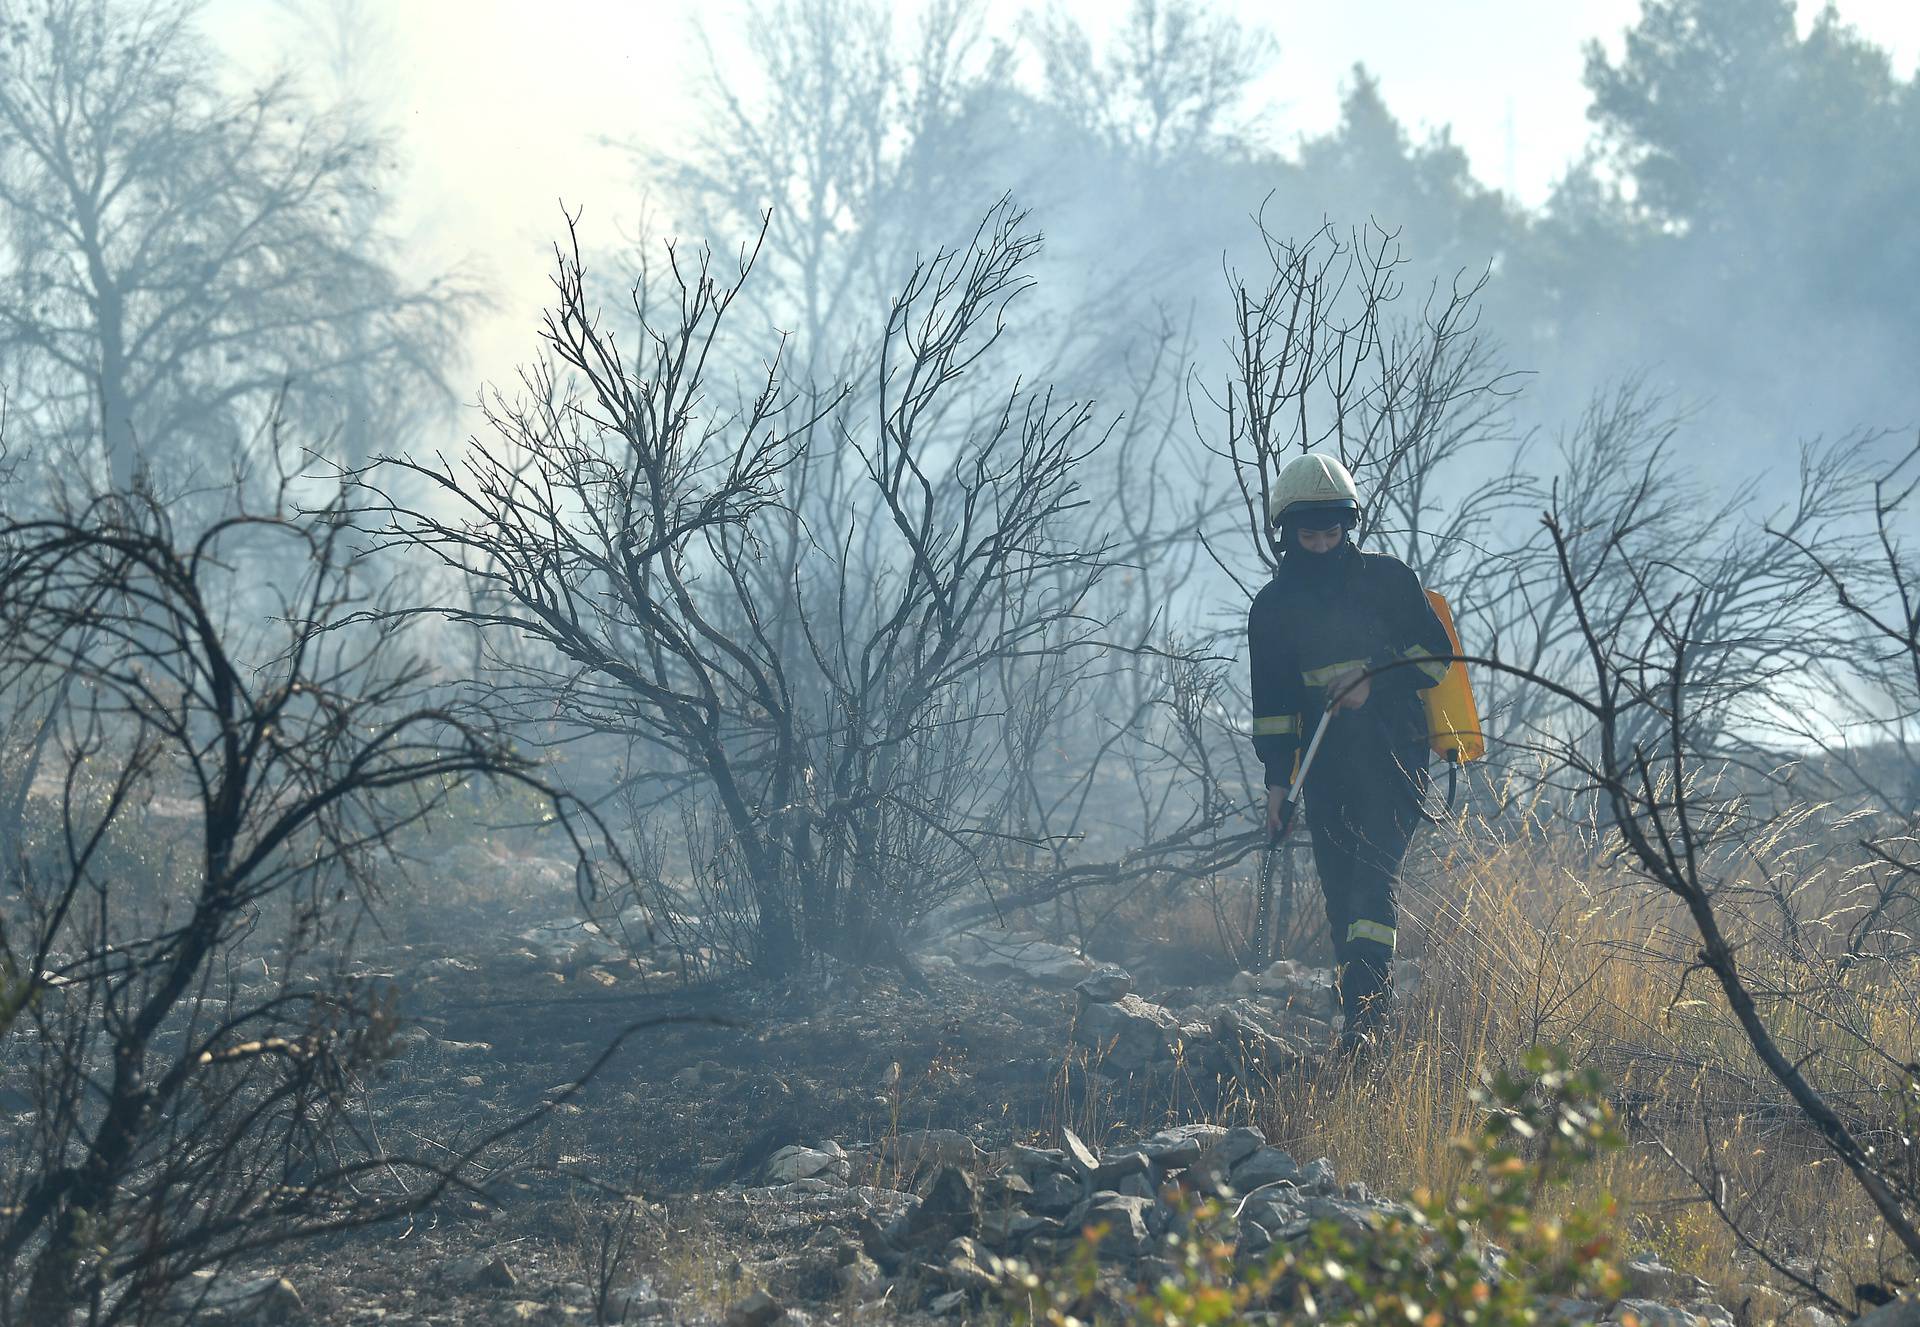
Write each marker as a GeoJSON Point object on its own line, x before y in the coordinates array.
{"type": "Point", "coordinates": [1321, 615]}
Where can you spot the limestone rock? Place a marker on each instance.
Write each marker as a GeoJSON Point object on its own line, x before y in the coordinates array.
{"type": "Point", "coordinates": [465, 1050]}
{"type": "Point", "coordinates": [562, 941]}
{"type": "Point", "coordinates": [996, 1228]}
{"type": "Point", "coordinates": [1250, 1041]}
{"type": "Point", "coordinates": [1009, 1188]}
{"type": "Point", "coordinates": [1254, 1241]}
{"type": "Point", "coordinates": [1132, 1033]}
{"type": "Point", "coordinates": [1809, 1315]}
{"type": "Point", "coordinates": [1181, 1146]}
{"type": "Point", "coordinates": [791, 1164]}
{"type": "Point", "coordinates": [1649, 1278]}
{"type": "Point", "coordinates": [1117, 1166]}
{"type": "Point", "coordinates": [1353, 1218]}
{"type": "Point", "coordinates": [1268, 1165]}
{"type": "Point", "coordinates": [932, 1147]}
{"type": "Point", "coordinates": [1082, 1158]}
{"type": "Point", "coordinates": [950, 1208]}
{"type": "Point", "coordinates": [1055, 1194]}
{"type": "Point", "coordinates": [1033, 1162]}
{"type": "Point", "coordinates": [1277, 1210]}
{"type": "Point", "coordinates": [1217, 1160]}
{"type": "Point", "coordinates": [1318, 1175]}
{"type": "Point", "coordinates": [963, 1268]}
{"type": "Point", "coordinates": [1021, 954]}
{"type": "Point", "coordinates": [1716, 1315]}
{"type": "Point", "coordinates": [1125, 1219]}
{"type": "Point", "coordinates": [1900, 1313]}
{"type": "Point", "coordinates": [1039, 1227]}
{"type": "Point", "coordinates": [758, 1309]}
{"type": "Point", "coordinates": [1107, 984]}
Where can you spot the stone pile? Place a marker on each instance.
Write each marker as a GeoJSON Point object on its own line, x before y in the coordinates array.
{"type": "Point", "coordinates": [1039, 1201]}
{"type": "Point", "coordinates": [1240, 1037]}
{"type": "Point", "coordinates": [946, 1247]}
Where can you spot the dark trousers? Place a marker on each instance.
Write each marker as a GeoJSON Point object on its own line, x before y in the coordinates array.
{"type": "Point", "coordinates": [1362, 810]}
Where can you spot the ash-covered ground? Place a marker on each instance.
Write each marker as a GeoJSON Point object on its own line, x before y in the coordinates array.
{"type": "Point", "coordinates": [862, 1148]}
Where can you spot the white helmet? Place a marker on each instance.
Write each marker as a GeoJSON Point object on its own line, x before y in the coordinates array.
{"type": "Point", "coordinates": [1313, 485]}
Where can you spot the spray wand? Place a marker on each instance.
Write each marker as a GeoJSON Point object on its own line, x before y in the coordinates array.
{"type": "Point", "coordinates": [1270, 857]}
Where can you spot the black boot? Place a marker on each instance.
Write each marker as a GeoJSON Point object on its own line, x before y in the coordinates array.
{"type": "Point", "coordinates": [1366, 994]}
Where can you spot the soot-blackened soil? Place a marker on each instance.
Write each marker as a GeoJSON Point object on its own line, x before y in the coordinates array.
{"type": "Point", "coordinates": [644, 1195]}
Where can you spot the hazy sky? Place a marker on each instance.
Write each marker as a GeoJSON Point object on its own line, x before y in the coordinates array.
{"type": "Point", "coordinates": [501, 108]}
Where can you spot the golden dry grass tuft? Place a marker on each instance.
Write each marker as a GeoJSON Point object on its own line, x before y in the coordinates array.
{"type": "Point", "coordinates": [1531, 936]}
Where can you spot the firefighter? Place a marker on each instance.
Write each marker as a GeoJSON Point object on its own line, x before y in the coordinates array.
{"type": "Point", "coordinates": [1319, 634]}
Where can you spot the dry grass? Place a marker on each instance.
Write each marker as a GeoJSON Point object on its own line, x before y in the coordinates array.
{"type": "Point", "coordinates": [1532, 931]}
{"type": "Point", "coordinates": [1534, 937]}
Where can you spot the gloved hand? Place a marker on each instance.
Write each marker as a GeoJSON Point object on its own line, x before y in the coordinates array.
{"type": "Point", "coordinates": [1276, 798]}
{"type": "Point", "coordinates": [1351, 688]}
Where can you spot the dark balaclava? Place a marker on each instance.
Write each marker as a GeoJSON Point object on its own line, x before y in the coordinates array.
{"type": "Point", "coordinates": [1300, 561]}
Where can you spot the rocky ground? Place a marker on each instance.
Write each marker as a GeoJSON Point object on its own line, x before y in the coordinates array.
{"type": "Point", "coordinates": [861, 1150]}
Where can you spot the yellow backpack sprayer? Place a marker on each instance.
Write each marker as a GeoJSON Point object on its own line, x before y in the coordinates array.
{"type": "Point", "coordinates": [1453, 721]}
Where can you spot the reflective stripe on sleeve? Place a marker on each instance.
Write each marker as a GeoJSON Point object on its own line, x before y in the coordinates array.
{"type": "Point", "coordinates": [1374, 931]}
{"type": "Point", "coordinates": [1319, 677]}
{"type": "Point", "coordinates": [1275, 725]}
{"type": "Point", "coordinates": [1423, 658]}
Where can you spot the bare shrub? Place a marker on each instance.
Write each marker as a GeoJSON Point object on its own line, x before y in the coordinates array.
{"type": "Point", "coordinates": [1674, 664]}
{"type": "Point", "coordinates": [215, 777]}
{"type": "Point", "coordinates": [833, 727]}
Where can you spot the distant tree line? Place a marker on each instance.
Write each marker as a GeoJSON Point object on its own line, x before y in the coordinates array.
{"type": "Point", "coordinates": [1739, 232]}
